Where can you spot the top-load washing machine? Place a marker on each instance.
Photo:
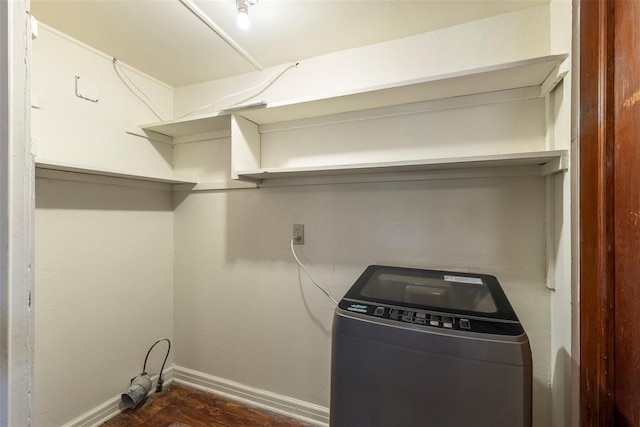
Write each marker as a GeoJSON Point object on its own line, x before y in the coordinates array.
{"type": "Point", "coordinates": [427, 348]}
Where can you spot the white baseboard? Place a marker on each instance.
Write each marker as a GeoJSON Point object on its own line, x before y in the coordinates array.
{"type": "Point", "coordinates": [273, 402]}
{"type": "Point", "coordinates": [111, 407]}
{"type": "Point", "coordinates": [97, 415]}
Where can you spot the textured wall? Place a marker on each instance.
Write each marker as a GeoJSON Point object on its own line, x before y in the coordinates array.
{"type": "Point", "coordinates": [244, 311]}
{"type": "Point", "coordinates": [104, 266]}
{"type": "Point", "coordinates": [104, 292]}
{"type": "Point", "coordinates": [67, 128]}
{"type": "Point", "coordinates": [510, 37]}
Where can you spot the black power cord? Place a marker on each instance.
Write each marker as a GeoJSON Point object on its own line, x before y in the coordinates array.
{"type": "Point", "coordinates": [144, 367]}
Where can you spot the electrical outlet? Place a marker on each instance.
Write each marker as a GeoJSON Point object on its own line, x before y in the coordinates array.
{"type": "Point", "coordinates": [298, 234]}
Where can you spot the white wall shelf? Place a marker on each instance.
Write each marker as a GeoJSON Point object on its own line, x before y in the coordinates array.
{"type": "Point", "coordinates": [531, 78]}
{"type": "Point", "coordinates": [541, 73]}
{"type": "Point", "coordinates": [214, 186]}
{"type": "Point", "coordinates": [191, 125]}
{"type": "Point", "coordinates": [70, 167]}
{"type": "Point", "coordinates": [550, 162]}
{"type": "Point", "coordinates": [512, 75]}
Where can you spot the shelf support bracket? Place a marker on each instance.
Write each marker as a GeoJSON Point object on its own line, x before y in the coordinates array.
{"type": "Point", "coordinates": [152, 136]}
{"type": "Point", "coordinates": [245, 145]}
{"type": "Point", "coordinates": [555, 165]}
{"type": "Point", "coordinates": [558, 164]}
{"type": "Point", "coordinates": [554, 78]}
{"type": "Point", "coordinates": [551, 252]}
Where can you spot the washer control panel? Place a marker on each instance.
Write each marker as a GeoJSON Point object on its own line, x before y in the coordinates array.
{"type": "Point", "coordinates": [423, 318]}
{"type": "Point", "coordinates": [432, 319]}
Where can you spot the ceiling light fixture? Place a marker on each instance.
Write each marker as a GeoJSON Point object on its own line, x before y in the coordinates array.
{"type": "Point", "coordinates": [243, 13]}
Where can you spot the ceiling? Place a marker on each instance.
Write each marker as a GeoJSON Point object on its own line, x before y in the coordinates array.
{"type": "Point", "coordinates": [166, 40]}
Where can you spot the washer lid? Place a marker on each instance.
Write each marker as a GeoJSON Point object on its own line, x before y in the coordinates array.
{"type": "Point", "coordinates": [468, 294]}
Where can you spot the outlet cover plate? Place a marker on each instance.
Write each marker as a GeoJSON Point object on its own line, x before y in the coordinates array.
{"type": "Point", "coordinates": [298, 234]}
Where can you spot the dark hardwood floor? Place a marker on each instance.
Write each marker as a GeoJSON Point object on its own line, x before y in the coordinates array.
{"type": "Point", "coordinates": [181, 406]}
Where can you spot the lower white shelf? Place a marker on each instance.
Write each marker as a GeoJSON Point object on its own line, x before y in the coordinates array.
{"type": "Point", "coordinates": [71, 167]}
{"type": "Point", "coordinates": [550, 162]}
{"type": "Point", "coordinates": [214, 186]}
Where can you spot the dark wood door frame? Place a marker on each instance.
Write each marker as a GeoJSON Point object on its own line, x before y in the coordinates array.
{"type": "Point", "coordinates": [597, 302]}
{"type": "Point", "coordinates": [609, 213]}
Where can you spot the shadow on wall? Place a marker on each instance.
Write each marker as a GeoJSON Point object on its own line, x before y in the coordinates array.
{"type": "Point", "coordinates": [541, 404]}
{"type": "Point", "coordinates": [489, 225]}
{"type": "Point", "coordinates": [313, 315]}
{"type": "Point", "coordinates": [233, 256]}
{"type": "Point", "coordinates": [433, 134]}
{"type": "Point", "coordinates": [59, 194]}
{"type": "Point", "coordinates": [562, 406]}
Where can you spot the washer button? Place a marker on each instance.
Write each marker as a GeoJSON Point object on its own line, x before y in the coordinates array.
{"type": "Point", "coordinates": [435, 320]}
{"type": "Point", "coordinates": [448, 321]}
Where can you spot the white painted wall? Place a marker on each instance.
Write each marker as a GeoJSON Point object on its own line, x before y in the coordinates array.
{"type": "Point", "coordinates": [511, 37]}
{"type": "Point", "coordinates": [16, 218]}
{"type": "Point", "coordinates": [575, 217]}
{"type": "Point", "coordinates": [4, 214]}
{"type": "Point", "coordinates": [563, 104]}
{"type": "Point", "coordinates": [104, 250]}
{"type": "Point", "coordinates": [69, 129]}
{"type": "Point", "coordinates": [203, 161]}
{"type": "Point", "coordinates": [104, 291]}
{"type": "Point", "coordinates": [469, 131]}
{"type": "Point", "coordinates": [244, 312]}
